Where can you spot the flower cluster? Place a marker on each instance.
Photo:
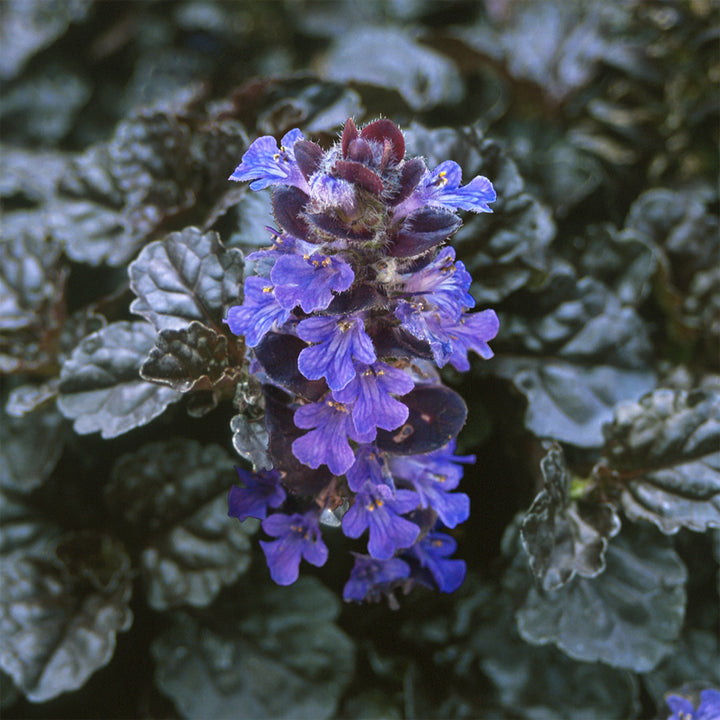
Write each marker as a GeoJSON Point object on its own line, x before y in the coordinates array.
{"type": "Point", "coordinates": [350, 310]}
{"type": "Point", "coordinates": [707, 709]}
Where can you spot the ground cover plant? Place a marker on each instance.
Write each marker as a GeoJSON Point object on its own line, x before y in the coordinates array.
{"type": "Point", "coordinates": [359, 360]}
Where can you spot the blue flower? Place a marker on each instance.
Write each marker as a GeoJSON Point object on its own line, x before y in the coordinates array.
{"type": "Point", "coordinates": [267, 164]}
{"type": "Point", "coordinates": [378, 509]}
{"type": "Point", "coordinates": [442, 187]}
{"type": "Point", "coordinates": [260, 490]}
{"type": "Point", "coordinates": [370, 464]}
{"type": "Point", "coordinates": [432, 553]}
{"type": "Point", "coordinates": [328, 442]}
{"type": "Point", "coordinates": [337, 341]}
{"type": "Point", "coordinates": [371, 391]}
{"type": "Point", "coordinates": [683, 709]}
{"type": "Point", "coordinates": [442, 283]}
{"type": "Point", "coordinates": [259, 312]}
{"type": "Point", "coordinates": [450, 340]}
{"type": "Point", "coordinates": [310, 280]}
{"type": "Point", "coordinates": [298, 536]}
{"type": "Point", "coordinates": [371, 578]}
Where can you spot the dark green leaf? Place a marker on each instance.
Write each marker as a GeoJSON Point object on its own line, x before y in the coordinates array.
{"type": "Point", "coordinates": [30, 447]}
{"type": "Point", "coordinates": [557, 46]}
{"type": "Point", "coordinates": [559, 537]}
{"type": "Point", "coordinates": [622, 260]}
{"type": "Point", "coordinates": [29, 26]}
{"type": "Point", "coordinates": [175, 496]}
{"type": "Point", "coordinates": [193, 358]}
{"type": "Point", "coordinates": [273, 652]}
{"type": "Point", "coordinates": [43, 107]}
{"type": "Point", "coordinates": [504, 250]}
{"type": "Point", "coordinates": [695, 658]}
{"type": "Point", "coordinates": [100, 385]}
{"type": "Point", "coordinates": [390, 58]}
{"type": "Point", "coordinates": [575, 351]}
{"type": "Point", "coordinates": [628, 617]}
{"type": "Point", "coordinates": [184, 277]}
{"type": "Point", "coordinates": [30, 281]}
{"type": "Point", "coordinates": [59, 617]}
{"type": "Point", "coordinates": [665, 451]}
{"type": "Point", "coordinates": [23, 530]}
{"type": "Point", "coordinates": [250, 440]}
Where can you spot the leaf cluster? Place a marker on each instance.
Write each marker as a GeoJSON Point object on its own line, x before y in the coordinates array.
{"type": "Point", "coordinates": [592, 546]}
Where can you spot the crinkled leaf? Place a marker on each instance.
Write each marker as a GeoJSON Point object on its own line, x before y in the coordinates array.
{"type": "Point", "coordinates": [695, 658]}
{"type": "Point", "coordinates": [100, 385]}
{"type": "Point", "coordinates": [558, 46]}
{"type": "Point", "coordinates": [30, 446]}
{"type": "Point", "coordinates": [628, 617]}
{"type": "Point", "coordinates": [250, 440]}
{"type": "Point", "coordinates": [29, 26]}
{"type": "Point", "coordinates": [174, 494]}
{"type": "Point", "coordinates": [273, 652]}
{"type": "Point", "coordinates": [575, 351]}
{"type": "Point", "coordinates": [32, 288]}
{"type": "Point", "coordinates": [193, 358]}
{"type": "Point", "coordinates": [681, 224]}
{"type": "Point", "coordinates": [390, 58]}
{"type": "Point", "coordinates": [184, 277]}
{"type": "Point", "coordinates": [665, 450]}
{"type": "Point", "coordinates": [560, 539]}
{"type": "Point", "coordinates": [43, 106]}
{"type": "Point", "coordinates": [30, 281]}
{"type": "Point", "coordinates": [503, 250]}
{"type": "Point", "coordinates": [59, 617]}
{"type": "Point", "coordinates": [540, 682]}
{"type": "Point", "coordinates": [623, 260]}
{"type": "Point", "coordinates": [23, 530]}
{"type": "Point", "coordinates": [299, 101]}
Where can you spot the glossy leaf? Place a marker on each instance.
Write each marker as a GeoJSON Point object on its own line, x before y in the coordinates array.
{"type": "Point", "coordinates": [191, 359]}
{"type": "Point", "coordinates": [174, 495]}
{"type": "Point", "coordinates": [59, 617]}
{"type": "Point", "coordinates": [390, 58]}
{"type": "Point", "coordinates": [274, 652]}
{"type": "Point", "coordinates": [665, 449]}
{"type": "Point", "coordinates": [100, 385]}
{"type": "Point", "coordinates": [575, 352]}
{"type": "Point", "coordinates": [628, 617]}
{"type": "Point", "coordinates": [437, 414]}
{"type": "Point", "coordinates": [560, 539]}
{"type": "Point", "coordinates": [187, 276]}
{"type": "Point", "coordinates": [30, 447]}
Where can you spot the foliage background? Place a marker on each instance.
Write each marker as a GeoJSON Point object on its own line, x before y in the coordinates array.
{"type": "Point", "coordinates": [126, 590]}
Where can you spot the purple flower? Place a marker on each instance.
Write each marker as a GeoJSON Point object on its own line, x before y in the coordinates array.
{"type": "Point", "coordinates": [328, 442]}
{"type": "Point", "coordinates": [683, 709]}
{"type": "Point", "coordinates": [433, 475]}
{"type": "Point", "coordinates": [310, 280]}
{"type": "Point", "coordinates": [369, 465]}
{"type": "Point", "coordinates": [442, 187]}
{"type": "Point", "coordinates": [298, 536]}
{"type": "Point", "coordinates": [442, 283]}
{"type": "Point", "coordinates": [432, 553]}
{"type": "Point", "coordinates": [337, 341]}
{"type": "Point", "coordinates": [378, 509]}
{"type": "Point", "coordinates": [261, 489]}
{"type": "Point", "coordinates": [371, 392]}
{"type": "Point", "coordinates": [371, 578]}
{"type": "Point", "coordinates": [267, 164]}
{"type": "Point", "coordinates": [451, 340]}
{"type": "Point", "coordinates": [329, 192]}
{"type": "Point", "coordinates": [258, 313]}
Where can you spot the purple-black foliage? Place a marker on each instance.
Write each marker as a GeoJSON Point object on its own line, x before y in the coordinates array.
{"type": "Point", "coordinates": [359, 291]}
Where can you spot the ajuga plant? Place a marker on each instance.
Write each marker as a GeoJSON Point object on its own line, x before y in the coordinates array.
{"type": "Point", "coordinates": [348, 314]}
